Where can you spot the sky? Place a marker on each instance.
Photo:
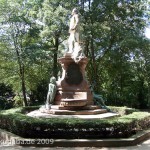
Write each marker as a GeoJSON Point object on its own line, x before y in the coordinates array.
{"type": "Point", "coordinates": [147, 32]}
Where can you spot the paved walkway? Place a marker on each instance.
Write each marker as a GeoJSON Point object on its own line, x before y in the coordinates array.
{"type": "Point", "coordinates": [143, 146]}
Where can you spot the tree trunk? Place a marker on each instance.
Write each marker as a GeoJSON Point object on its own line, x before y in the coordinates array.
{"type": "Point", "coordinates": [89, 4]}
{"type": "Point", "coordinates": [55, 68]}
{"type": "Point", "coordinates": [21, 73]}
{"type": "Point", "coordinates": [18, 46]}
{"type": "Point", "coordinates": [86, 50]}
{"type": "Point", "coordinates": [93, 61]}
{"type": "Point", "coordinates": [23, 86]}
{"type": "Point", "coordinates": [148, 100]}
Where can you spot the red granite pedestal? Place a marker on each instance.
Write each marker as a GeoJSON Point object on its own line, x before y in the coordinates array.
{"type": "Point", "coordinates": [73, 91]}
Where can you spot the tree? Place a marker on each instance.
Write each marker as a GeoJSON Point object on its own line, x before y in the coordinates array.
{"type": "Point", "coordinates": [113, 35]}
{"type": "Point", "coordinates": [18, 37]}
{"type": "Point", "coordinates": [52, 16]}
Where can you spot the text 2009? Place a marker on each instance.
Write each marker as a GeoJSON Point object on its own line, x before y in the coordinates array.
{"type": "Point", "coordinates": [44, 141]}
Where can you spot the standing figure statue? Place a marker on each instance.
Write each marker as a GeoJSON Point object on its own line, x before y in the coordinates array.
{"type": "Point", "coordinates": [74, 38]}
{"type": "Point", "coordinates": [74, 31]}
{"type": "Point", "coordinates": [51, 92]}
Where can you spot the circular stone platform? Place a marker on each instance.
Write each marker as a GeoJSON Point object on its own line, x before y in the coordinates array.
{"type": "Point", "coordinates": [38, 114]}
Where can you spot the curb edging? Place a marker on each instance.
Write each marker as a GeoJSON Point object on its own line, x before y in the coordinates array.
{"type": "Point", "coordinates": [132, 141]}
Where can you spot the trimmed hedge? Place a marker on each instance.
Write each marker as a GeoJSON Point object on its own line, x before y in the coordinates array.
{"type": "Point", "coordinates": [123, 110]}
{"type": "Point", "coordinates": [15, 121]}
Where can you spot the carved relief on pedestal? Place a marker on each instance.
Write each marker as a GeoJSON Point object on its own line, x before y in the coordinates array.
{"type": "Point", "coordinates": [73, 89]}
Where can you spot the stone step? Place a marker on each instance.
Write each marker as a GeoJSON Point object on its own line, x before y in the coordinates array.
{"type": "Point", "coordinates": [39, 114]}
{"type": "Point", "coordinates": [89, 107]}
{"type": "Point", "coordinates": [73, 112]}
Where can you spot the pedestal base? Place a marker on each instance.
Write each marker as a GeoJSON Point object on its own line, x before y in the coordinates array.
{"type": "Point", "coordinates": [73, 102]}
{"type": "Point", "coordinates": [87, 110]}
{"type": "Point", "coordinates": [72, 88]}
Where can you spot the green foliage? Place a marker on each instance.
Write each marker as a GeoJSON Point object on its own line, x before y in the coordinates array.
{"type": "Point", "coordinates": [21, 53]}
{"type": "Point", "coordinates": [5, 90]}
{"type": "Point", "coordinates": [122, 110]}
{"type": "Point", "coordinates": [15, 121]}
{"type": "Point", "coordinates": [18, 101]}
{"type": "Point", "coordinates": [6, 96]}
{"type": "Point", "coordinates": [35, 34]}
{"type": "Point", "coordinates": [115, 45]}
{"type": "Point", "coordinates": [40, 92]}
{"type": "Point", "coordinates": [5, 103]}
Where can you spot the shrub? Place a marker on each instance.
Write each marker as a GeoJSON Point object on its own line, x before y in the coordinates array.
{"type": "Point", "coordinates": [16, 122]}
{"type": "Point", "coordinates": [122, 110]}
{"type": "Point", "coordinates": [2, 102]}
{"type": "Point", "coordinates": [5, 103]}
{"type": "Point", "coordinates": [5, 90]}
{"type": "Point", "coordinates": [18, 101]}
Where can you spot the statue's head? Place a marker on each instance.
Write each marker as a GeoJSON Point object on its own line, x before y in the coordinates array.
{"type": "Point", "coordinates": [53, 80]}
{"type": "Point", "coordinates": [74, 11]}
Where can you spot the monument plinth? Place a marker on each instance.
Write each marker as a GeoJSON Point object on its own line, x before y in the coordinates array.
{"type": "Point", "coordinates": [72, 87]}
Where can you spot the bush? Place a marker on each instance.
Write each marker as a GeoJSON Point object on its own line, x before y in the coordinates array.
{"type": "Point", "coordinates": [18, 101]}
{"type": "Point", "coordinates": [122, 110]}
{"type": "Point", "coordinates": [71, 128]}
{"type": "Point", "coordinates": [2, 102]}
{"type": "Point", "coordinates": [5, 103]}
{"type": "Point", "coordinates": [40, 93]}
{"type": "Point", "coordinates": [5, 90]}
{"type": "Point", "coordinates": [6, 96]}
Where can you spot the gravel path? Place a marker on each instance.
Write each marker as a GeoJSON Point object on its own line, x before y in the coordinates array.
{"type": "Point", "coordinates": [143, 146]}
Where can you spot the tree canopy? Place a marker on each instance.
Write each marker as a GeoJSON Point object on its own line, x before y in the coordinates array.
{"type": "Point", "coordinates": [33, 34]}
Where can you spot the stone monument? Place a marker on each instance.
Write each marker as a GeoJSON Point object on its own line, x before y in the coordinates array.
{"type": "Point", "coordinates": [73, 95]}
